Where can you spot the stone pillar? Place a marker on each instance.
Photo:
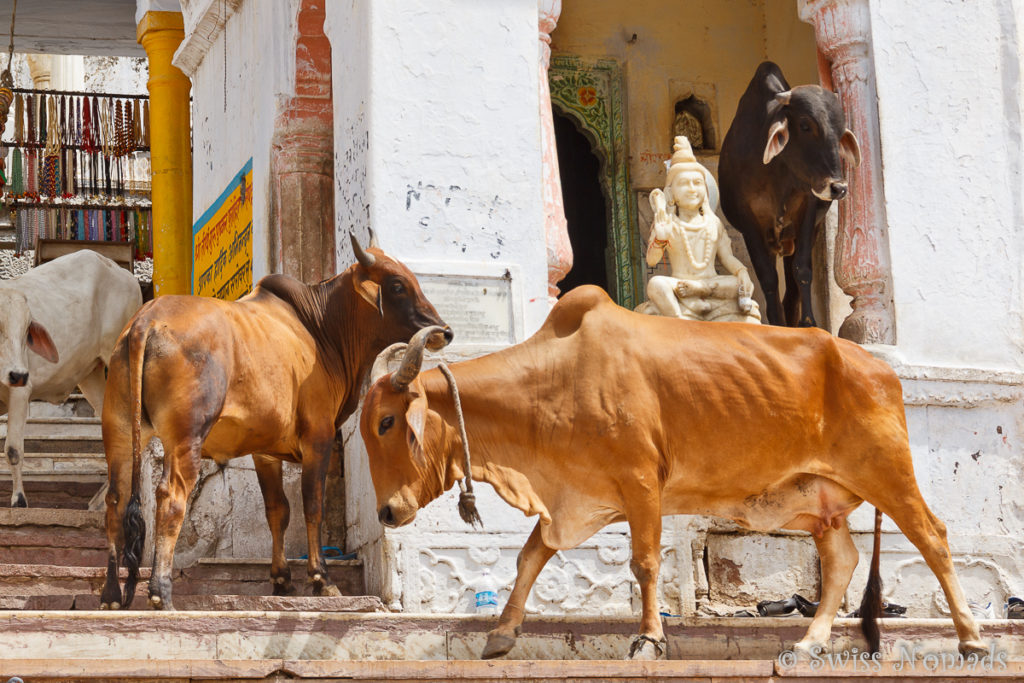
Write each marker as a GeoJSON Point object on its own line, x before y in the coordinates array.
{"type": "Point", "coordinates": [302, 159]}
{"type": "Point", "coordinates": [160, 33]}
{"type": "Point", "coordinates": [862, 263]}
{"type": "Point", "coordinates": [555, 228]}
{"type": "Point", "coordinates": [40, 69]}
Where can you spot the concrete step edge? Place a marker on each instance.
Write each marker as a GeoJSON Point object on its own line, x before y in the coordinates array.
{"type": "Point", "coordinates": [63, 455]}
{"type": "Point", "coordinates": [395, 670]}
{"type": "Point", "coordinates": [81, 519]}
{"type": "Point", "coordinates": [69, 420]}
{"type": "Point", "coordinates": [97, 436]}
{"type": "Point", "coordinates": [264, 561]}
{"type": "Point", "coordinates": [59, 571]}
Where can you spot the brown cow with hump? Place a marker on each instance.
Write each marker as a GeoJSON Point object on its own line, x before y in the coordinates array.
{"type": "Point", "coordinates": [606, 415]}
{"type": "Point", "coordinates": [273, 374]}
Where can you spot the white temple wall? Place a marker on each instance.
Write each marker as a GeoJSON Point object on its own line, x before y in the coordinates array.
{"type": "Point", "coordinates": [232, 113]}
{"type": "Point", "coordinates": [949, 98]}
{"type": "Point", "coordinates": [950, 111]}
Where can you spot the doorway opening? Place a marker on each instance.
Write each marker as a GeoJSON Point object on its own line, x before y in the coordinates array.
{"type": "Point", "coordinates": [586, 209]}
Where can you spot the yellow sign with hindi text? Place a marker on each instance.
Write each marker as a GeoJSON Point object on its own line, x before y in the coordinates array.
{"type": "Point", "coordinates": [222, 242]}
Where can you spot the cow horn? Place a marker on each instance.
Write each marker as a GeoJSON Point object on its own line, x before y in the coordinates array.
{"type": "Point", "coordinates": [413, 359]}
{"type": "Point", "coordinates": [778, 102]}
{"type": "Point", "coordinates": [367, 260]}
{"type": "Point", "coordinates": [373, 239]}
{"type": "Point", "coordinates": [383, 362]}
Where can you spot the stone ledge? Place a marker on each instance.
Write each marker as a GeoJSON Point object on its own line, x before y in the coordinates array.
{"type": "Point", "coordinates": [203, 603]}
{"type": "Point", "coordinates": [78, 669]}
{"type": "Point", "coordinates": [50, 517]}
{"type": "Point", "coordinates": [269, 603]}
{"type": "Point", "coordinates": [39, 670]}
{"type": "Point", "coordinates": [339, 636]}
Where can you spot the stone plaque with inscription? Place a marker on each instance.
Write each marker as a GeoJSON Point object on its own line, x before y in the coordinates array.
{"type": "Point", "coordinates": [478, 308]}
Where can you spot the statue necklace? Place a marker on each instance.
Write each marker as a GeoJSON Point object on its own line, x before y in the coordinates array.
{"type": "Point", "coordinates": [698, 265]}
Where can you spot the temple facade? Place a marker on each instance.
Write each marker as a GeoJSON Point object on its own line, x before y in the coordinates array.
{"type": "Point", "coordinates": [505, 151]}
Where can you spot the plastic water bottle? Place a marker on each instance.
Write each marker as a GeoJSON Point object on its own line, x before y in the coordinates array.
{"type": "Point", "coordinates": [486, 594]}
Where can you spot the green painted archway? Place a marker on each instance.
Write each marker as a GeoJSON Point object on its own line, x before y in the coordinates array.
{"type": "Point", "coordinates": [590, 91]}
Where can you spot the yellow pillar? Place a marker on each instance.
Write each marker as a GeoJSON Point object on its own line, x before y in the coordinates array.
{"type": "Point", "coordinates": [160, 33]}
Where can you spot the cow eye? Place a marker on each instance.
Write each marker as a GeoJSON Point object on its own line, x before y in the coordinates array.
{"type": "Point", "coordinates": [397, 288]}
{"type": "Point", "coordinates": [805, 125]}
{"type": "Point", "coordinates": [385, 424]}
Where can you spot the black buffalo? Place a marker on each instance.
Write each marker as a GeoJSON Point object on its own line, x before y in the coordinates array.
{"type": "Point", "coordinates": [780, 170]}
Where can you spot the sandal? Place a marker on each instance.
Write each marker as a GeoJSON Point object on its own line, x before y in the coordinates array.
{"type": "Point", "coordinates": [805, 606]}
{"type": "Point", "coordinates": [775, 608]}
{"type": "Point", "coordinates": [890, 610]}
{"type": "Point", "coordinates": [778, 608]}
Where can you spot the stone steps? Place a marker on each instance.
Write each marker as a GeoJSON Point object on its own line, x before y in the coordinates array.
{"type": "Point", "coordinates": [74, 406]}
{"type": "Point", "coordinates": [36, 536]}
{"type": "Point", "coordinates": [55, 494]}
{"type": "Point", "coordinates": [346, 637]}
{"type": "Point", "coordinates": [59, 435]}
{"type": "Point", "coordinates": [64, 464]}
{"type": "Point", "coordinates": [398, 672]}
{"type": "Point", "coordinates": [213, 576]}
{"type": "Point", "coordinates": [39, 586]}
{"type": "Point", "coordinates": [211, 603]}
{"type": "Point", "coordinates": [211, 584]}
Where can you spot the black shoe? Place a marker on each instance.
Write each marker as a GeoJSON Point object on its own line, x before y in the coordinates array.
{"type": "Point", "coordinates": [805, 606]}
{"type": "Point", "coordinates": [777, 608]}
{"type": "Point", "coordinates": [890, 610]}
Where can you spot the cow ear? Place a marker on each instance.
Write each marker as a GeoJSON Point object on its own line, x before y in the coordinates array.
{"type": "Point", "coordinates": [849, 148]}
{"type": "Point", "coordinates": [416, 419]}
{"type": "Point", "coordinates": [778, 136]}
{"type": "Point", "coordinates": [370, 291]}
{"type": "Point", "coordinates": [39, 341]}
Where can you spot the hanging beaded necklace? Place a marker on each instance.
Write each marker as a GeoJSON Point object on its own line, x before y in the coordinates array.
{"type": "Point", "coordinates": [708, 245]}
{"type": "Point", "coordinates": [19, 118]}
{"type": "Point", "coordinates": [53, 130]}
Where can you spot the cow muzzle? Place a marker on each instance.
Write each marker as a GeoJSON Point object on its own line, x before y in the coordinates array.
{"type": "Point", "coordinates": [439, 340]}
{"type": "Point", "coordinates": [399, 510]}
{"type": "Point", "coordinates": [833, 191]}
{"type": "Point", "coordinates": [17, 379]}
{"type": "Point", "coordinates": [392, 519]}
{"type": "Point", "coordinates": [387, 516]}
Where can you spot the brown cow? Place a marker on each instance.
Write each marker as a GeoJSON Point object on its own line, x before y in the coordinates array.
{"type": "Point", "coordinates": [273, 374]}
{"type": "Point", "coordinates": [606, 415]}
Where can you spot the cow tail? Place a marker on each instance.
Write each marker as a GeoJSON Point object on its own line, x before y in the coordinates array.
{"type": "Point", "coordinates": [134, 525]}
{"type": "Point", "coordinates": [871, 604]}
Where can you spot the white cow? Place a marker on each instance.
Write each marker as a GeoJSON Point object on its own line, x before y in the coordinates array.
{"type": "Point", "coordinates": [69, 313]}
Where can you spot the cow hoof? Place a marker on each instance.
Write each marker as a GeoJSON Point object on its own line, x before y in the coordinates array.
{"type": "Point", "coordinates": [19, 501]}
{"type": "Point", "coordinates": [807, 651]}
{"type": "Point", "coordinates": [498, 644]}
{"type": "Point", "coordinates": [645, 647]}
{"type": "Point", "coordinates": [156, 602]}
{"type": "Point", "coordinates": [283, 589]}
{"type": "Point", "coordinates": [328, 591]}
{"type": "Point", "coordinates": [973, 647]}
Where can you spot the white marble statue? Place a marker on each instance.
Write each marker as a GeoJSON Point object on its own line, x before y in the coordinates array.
{"type": "Point", "coordinates": [685, 225]}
